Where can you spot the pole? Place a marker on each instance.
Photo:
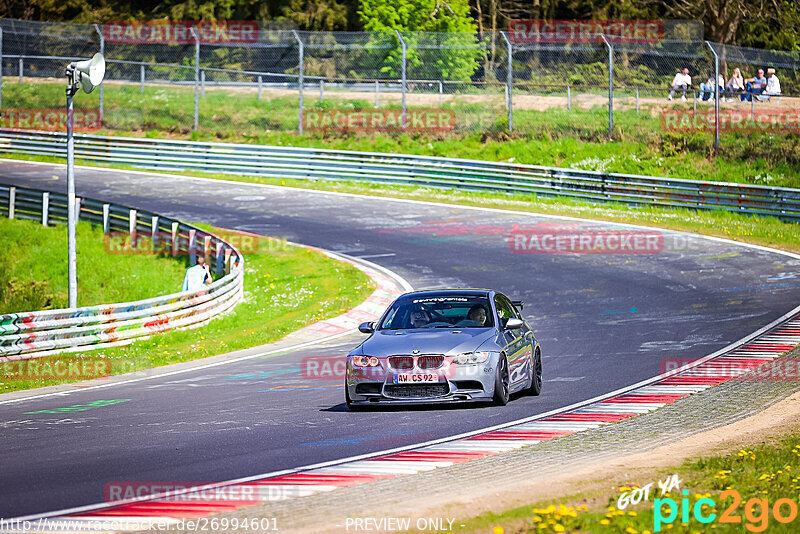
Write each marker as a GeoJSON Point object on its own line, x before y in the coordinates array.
{"type": "Point", "coordinates": [141, 75]}
{"type": "Point", "coordinates": [716, 96]}
{"type": "Point", "coordinates": [1, 68]}
{"type": "Point", "coordinates": [196, 78]}
{"type": "Point", "coordinates": [259, 88]}
{"type": "Point", "coordinates": [510, 82]}
{"type": "Point", "coordinates": [402, 76]}
{"type": "Point", "coordinates": [321, 90]}
{"type": "Point", "coordinates": [300, 61]}
{"type": "Point", "coordinates": [610, 86]}
{"type": "Point", "coordinates": [377, 93]}
{"type": "Point", "coordinates": [569, 97]}
{"type": "Point", "coordinates": [72, 263]}
{"type": "Point", "coordinates": [102, 51]}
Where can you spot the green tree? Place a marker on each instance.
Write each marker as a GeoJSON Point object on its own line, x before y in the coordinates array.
{"type": "Point", "coordinates": [451, 53]}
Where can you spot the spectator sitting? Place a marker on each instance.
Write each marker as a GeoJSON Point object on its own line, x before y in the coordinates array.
{"type": "Point", "coordinates": [708, 89]}
{"type": "Point", "coordinates": [681, 82]}
{"type": "Point", "coordinates": [735, 85]}
{"type": "Point", "coordinates": [756, 85]}
{"type": "Point", "coordinates": [773, 86]}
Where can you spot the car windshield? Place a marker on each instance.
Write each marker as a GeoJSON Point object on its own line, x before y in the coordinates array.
{"type": "Point", "coordinates": [438, 311]}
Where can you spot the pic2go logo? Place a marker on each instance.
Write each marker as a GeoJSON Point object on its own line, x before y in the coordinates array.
{"type": "Point", "coordinates": [757, 511]}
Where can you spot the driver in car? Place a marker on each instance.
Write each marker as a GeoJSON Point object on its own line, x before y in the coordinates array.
{"type": "Point", "coordinates": [420, 318]}
{"type": "Point", "coordinates": [478, 314]}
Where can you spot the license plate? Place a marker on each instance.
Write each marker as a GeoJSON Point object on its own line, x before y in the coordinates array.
{"type": "Point", "coordinates": [415, 378]}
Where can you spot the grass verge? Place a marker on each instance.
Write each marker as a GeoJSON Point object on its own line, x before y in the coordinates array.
{"type": "Point", "coordinates": [286, 288]}
{"type": "Point", "coordinates": [761, 476]}
{"type": "Point", "coordinates": [33, 269]}
{"type": "Point", "coordinates": [576, 138]}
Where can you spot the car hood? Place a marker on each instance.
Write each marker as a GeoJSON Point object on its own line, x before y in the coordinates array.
{"type": "Point", "coordinates": [426, 341]}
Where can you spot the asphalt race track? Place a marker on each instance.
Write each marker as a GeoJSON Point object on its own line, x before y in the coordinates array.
{"type": "Point", "coordinates": [604, 321]}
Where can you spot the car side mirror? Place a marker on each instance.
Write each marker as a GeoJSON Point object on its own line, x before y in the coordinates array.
{"type": "Point", "coordinates": [514, 324]}
{"type": "Point", "coordinates": [366, 328]}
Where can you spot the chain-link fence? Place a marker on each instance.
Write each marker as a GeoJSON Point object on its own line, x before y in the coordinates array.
{"type": "Point", "coordinates": [314, 83]}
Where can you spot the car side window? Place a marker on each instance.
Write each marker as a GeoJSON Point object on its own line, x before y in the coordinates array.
{"type": "Point", "coordinates": [505, 310]}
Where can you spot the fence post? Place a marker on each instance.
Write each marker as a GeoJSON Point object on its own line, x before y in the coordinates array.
{"type": "Point", "coordinates": [300, 64]}
{"type": "Point", "coordinates": [569, 97]}
{"type": "Point", "coordinates": [259, 88]}
{"type": "Point", "coordinates": [610, 86]}
{"type": "Point", "coordinates": [141, 76]}
{"type": "Point", "coordinates": [510, 82]}
{"type": "Point", "coordinates": [45, 208]}
{"type": "Point", "coordinates": [402, 77]}
{"type": "Point", "coordinates": [637, 100]}
{"type": "Point", "coordinates": [321, 90]}
{"type": "Point", "coordinates": [196, 78]}
{"type": "Point", "coordinates": [12, 197]}
{"type": "Point", "coordinates": [21, 69]}
{"type": "Point", "coordinates": [716, 96]}
{"type": "Point", "coordinates": [441, 90]}
{"type": "Point", "coordinates": [377, 93]}
{"type": "Point", "coordinates": [203, 83]}
{"type": "Point", "coordinates": [102, 51]}
{"type": "Point", "coordinates": [106, 218]}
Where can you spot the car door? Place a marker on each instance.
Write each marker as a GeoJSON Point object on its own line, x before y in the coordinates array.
{"type": "Point", "coordinates": [516, 344]}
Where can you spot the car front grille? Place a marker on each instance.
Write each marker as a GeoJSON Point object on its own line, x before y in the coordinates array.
{"type": "Point", "coordinates": [426, 362]}
{"type": "Point", "coordinates": [401, 363]}
{"type": "Point", "coordinates": [430, 362]}
{"type": "Point", "coordinates": [417, 390]}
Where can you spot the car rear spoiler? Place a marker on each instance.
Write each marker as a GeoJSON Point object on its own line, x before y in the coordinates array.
{"type": "Point", "coordinates": [518, 304]}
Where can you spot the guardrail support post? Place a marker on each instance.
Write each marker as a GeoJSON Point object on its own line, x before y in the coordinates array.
{"type": "Point", "coordinates": [259, 88]}
{"type": "Point", "coordinates": [228, 261]}
{"type": "Point", "coordinates": [219, 265]}
{"type": "Point", "coordinates": [403, 77]}
{"type": "Point", "coordinates": [154, 237]}
{"type": "Point", "coordinates": [196, 78]}
{"type": "Point", "coordinates": [12, 197]}
{"type": "Point", "coordinates": [141, 78]}
{"type": "Point", "coordinates": [192, 247]}
{"type": "Point", "coordinates": [46, 208]}
{"type": "Point", "coordinates": [175, 238]}
{"type": "Point", "coordinates": [132, 219]}
{"type": "Point", "coordinates": [510, 81]}
{"type": "Point", "coordinates": [207, 250]}
{"type": "Point", "coordinates": [300, 61]}
{"type": "Point", "coordinates": [106, 218]}
{"type": "Point", "coordinates": [102, 51]}
{"type": "Point", "coordinates": [77, 209]}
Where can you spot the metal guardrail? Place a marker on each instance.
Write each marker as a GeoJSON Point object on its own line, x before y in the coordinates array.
{"type": "Point", "coordinates": [38, 333]}
{"type": "Point", "coordinates": [428, 171]}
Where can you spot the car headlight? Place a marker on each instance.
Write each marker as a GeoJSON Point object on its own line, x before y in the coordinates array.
{"type": "Point", "coordinates": [471, 358]}
{"type": "Point", "coordinates": [365, 361]}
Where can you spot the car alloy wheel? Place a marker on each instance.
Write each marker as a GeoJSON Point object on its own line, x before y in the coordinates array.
{"type": "Point", "coordinates": [501, 382]}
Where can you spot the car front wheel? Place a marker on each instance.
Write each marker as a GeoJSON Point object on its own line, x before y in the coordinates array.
{"type": "Point", "coordinates": [501, 382]}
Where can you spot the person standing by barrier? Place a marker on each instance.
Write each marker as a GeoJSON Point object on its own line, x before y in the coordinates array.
{"type": "Point", "coordinates": [197, 276]}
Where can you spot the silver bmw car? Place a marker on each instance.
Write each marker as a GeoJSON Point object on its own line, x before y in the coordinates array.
{"type": "Point", "coordinates": [446, 345]}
